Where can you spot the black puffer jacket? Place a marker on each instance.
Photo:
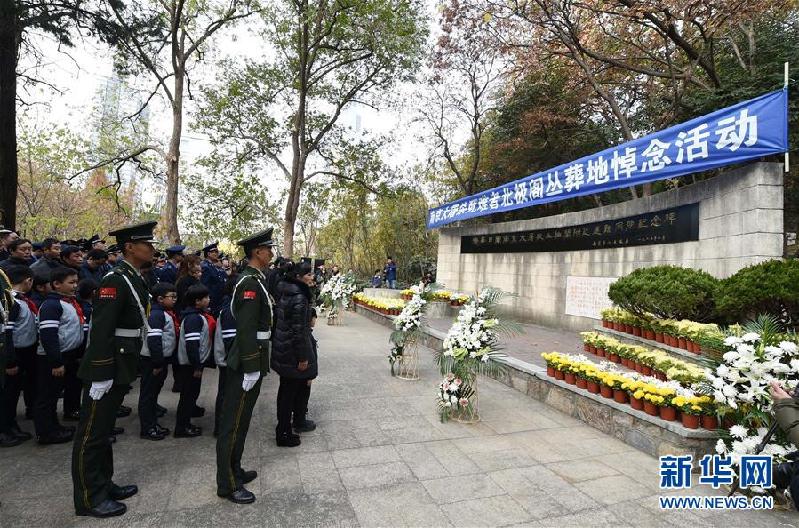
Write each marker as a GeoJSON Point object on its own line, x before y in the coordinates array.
{"type": "Point", "coordinates": [292, 340]}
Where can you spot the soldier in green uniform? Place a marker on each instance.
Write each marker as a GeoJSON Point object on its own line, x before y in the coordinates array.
{"type": "Point", "coordinates": [248, 361]}
{"type": "Point", "coordinates": [108, 367]}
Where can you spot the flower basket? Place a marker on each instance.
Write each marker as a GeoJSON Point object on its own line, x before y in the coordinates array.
{"type": "Point", "coordinates": [592, 386]}
{"type": "Point", "coordinates": [682, 343]}
{"type": "Point", "coordinates": [710, 422]}
{"type": "Point", "coordinates": [659, 337]}
{"type": "Point", "coordinates": [559, 375]}
{"type": "Point", "coordinates": [550, 372]}
{"type": "Point", "coordinates": [581, 383]}
{"type": "Point", "coordinates": [620, 396]}
{"type": "Point", "coordinates": [614, 358]}
{"type": "Point", "coordinates": [606, 391]}
{"type": "Point", "coordinates": [637, 403]}
{"type": "Point", "coordinates": [650, 408]}
{"type": "Point", "coordinates": [690, 421]}
{"type": "Point", "coordinates": [667, 412]}
{"type": "Point", "coordinates": [570, 378]}
{"type": "Point", "coordinates": [637, 331]}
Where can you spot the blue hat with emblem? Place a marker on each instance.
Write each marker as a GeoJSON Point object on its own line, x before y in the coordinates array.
{"type": "Point", "coordinates": [210, 247]}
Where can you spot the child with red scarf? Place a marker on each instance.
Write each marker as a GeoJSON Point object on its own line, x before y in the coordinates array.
{"type": "Point", "coordinates": [195, 346]}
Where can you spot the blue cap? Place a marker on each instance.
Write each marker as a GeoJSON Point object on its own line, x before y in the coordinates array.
{"type": "Point", "coordinates": [171, 250]}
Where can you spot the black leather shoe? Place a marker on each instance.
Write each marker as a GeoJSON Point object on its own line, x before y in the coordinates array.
{"type": "Point", "coordinates": [124, 411]}
{"type": "Point", "coordinates": [68, 428]}
{"type": "Point", "coordinates": [305, 426]}
{"type": "Point", "coordinates": [288, 440]}
{"type": "Point", "coordinates": [19, 433]}
{"type": "Point", "coordinates": [107, 508]}
{"type": "Point", "coordinates": [59, 437]}
{"type": "Point", "coordinates": [198, 412]}
{"type": "Point", "coordinates": [152, 434]}
{"type": "Point", "coordinates": [189, 432]}
{"type": "Point", "coordinates": [247, 476]}
{"type": "Point", "coordinates": [74, 416]}
{"type": "Point", "coordinates": [163, 430]}
{"type": "Point", "coordinates": [119, 493]}
{"type": "Point", "coordinates": [9, 440]}
{"type": "Point", "coordinates": [241, 496]}
{"type": "Point", "coordinates": [117, 431]}
{"type": "Point", "coordinates": [160, 411]}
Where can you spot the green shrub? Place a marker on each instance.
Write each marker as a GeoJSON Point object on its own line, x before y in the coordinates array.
{"type": "Point", "coordinates": [771, 287]}
{"type": "Point", "coordinates": [668, 292]}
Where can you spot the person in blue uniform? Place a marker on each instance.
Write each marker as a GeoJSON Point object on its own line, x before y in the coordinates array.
{"type": "Point", "coordinates": [169, 273]}
{"type": "Point", "coordinates": [213, 276]}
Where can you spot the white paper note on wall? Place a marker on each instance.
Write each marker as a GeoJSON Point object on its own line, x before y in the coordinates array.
{"type": "Point", "coordinates": [587, 296]}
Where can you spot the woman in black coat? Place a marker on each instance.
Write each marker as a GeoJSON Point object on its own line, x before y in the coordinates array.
{"type": "Point", "coordinates": [293, 356]}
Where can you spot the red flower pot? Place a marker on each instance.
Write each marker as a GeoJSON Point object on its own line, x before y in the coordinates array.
{"type": "Point", "coordinates": [637, 403]}
{"type": "Point", "coordinates": [600, 352]}
{"type": "Point", "coordinates": [570, 378]}
{"type": "Point", "coordinates": [639, 367]}
{"type": "Point", "coordinates": [659, 337]}
{"type": "Point", "coordinates": [592, 349]}
{"type": "Point", "coordinates": [691, 421]}
{"type": "Point", "coordinates": [558, 374]}
{"type": "Point", "coordinates": [628, 329]}
{"type": "Point", "coordinates": [637, 331]}
{"type": "Point", "coordinates": [649, 334]}
{"type": "Point", "coordinates": [674, 342]}
{"type": "Point", "coordinates": [625, 362]}
{"type": "Point", "coordinates": [586, 347]}
{"type": "Point", "coordinates": [646, 371]}
{"type": "Point", "coordinates": [682, 343]}
{"type": "Point", "coordinates": [710, 422]}
{"type": "Point", "coordinates": [614, 358]}
{"type": "Point", "coordinates": [667, 412]}
{"type": "Point", "coordinates": [550, 371]}
{"type": "Point", "coordinates": [616, 326]}
{"type": "Point", "coordinates": [694, 347]}
{"type": "Point", "coordinates": [581, 383]}
{"type": "Point", "coordinates": [620, 396]}
{"type": "Point", "coordinates": [606, 391]}
{"type": "Point", "coordinates": [592, 386]}
{"type": "Point", "coordinates": [650, 408]}
{"type": "Point", "coordinates": [661, 376]}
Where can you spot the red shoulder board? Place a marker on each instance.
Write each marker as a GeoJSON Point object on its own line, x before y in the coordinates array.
{"type": "Point", "coordinates": [249, 294]}
{"type": "Point", "coordinates": [108, 293]}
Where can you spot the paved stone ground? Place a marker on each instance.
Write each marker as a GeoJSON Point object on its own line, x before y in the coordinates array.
{"type": "Point", "coordinates": [529, 345]}
{"type": "Point", "coordinates": [379, 458]}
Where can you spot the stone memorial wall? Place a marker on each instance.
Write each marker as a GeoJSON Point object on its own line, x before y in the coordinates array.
{"type": "Point", "coordinates": [561, 266]}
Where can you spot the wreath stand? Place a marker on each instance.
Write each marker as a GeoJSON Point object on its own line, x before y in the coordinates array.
{"type": "Point", "coordinates": [471, 414]}
{"type": "Point", "coordinates": [409, 362]}
{"type": "Point", "coordinates": [336, 315]}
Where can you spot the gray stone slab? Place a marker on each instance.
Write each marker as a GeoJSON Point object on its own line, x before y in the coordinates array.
{"type": "Point", "coordinates": [454, 489]}
{"type": "Point", "coordinates": [397, 505]}
{"type": "Point", "coordinates": [373, 476]}
{"type": "Point", "coordinates": [611, 490]}
{"type": "Point", "coordinates": [365, 456]}
{"type": "Point", "coordinates": [582, 470]}
{"type": "Point", "coordinates": [488, 511]}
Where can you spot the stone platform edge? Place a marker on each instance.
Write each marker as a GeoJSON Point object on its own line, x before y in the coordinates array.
{"type": "Point", "coordinates": [646, 433]}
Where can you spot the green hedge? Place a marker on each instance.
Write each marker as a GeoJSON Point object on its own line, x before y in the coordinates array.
{"type": "Point", "coordinates": [771, 287]}
{"type": "Point", "coordinates": [669, 292]}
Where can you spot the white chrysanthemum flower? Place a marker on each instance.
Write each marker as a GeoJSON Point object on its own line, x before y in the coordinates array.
{"type": "Point", "coordinates": [739, 431]}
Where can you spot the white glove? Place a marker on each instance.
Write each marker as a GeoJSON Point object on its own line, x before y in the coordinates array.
{"type": "Point", "coordinates": [250, 379]}
{"type": "Point", "coordinates": [100, 388]}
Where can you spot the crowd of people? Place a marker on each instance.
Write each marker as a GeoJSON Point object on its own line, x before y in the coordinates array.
{"type": "Point", "coordinates": [191, 328]}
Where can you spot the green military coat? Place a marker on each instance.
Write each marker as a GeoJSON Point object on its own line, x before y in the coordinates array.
{"type": "Point", "coordinates": [252, 309]}
{"type": "Point", "coordinates": [113, 348]}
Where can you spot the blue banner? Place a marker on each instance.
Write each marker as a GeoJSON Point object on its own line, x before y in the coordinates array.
{"type": "Point", "coordinates": [745, 131]}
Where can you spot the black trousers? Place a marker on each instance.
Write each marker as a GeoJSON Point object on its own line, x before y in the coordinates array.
{"type": "Point", "coordinates": [237, 406]}
{"type": "Point", "coordinates": [72, 384]}
{"type": "Point", "coordinates": [45, 416]}
{"type": "Point", "coordinates": [150, 388]}
{"type": "Point", "coordinates": [189, 392]}
{"type": "Point", "coordinates": [220, 398]}
{"type": "Point", "coordinates": [292, 399]}
{"type": "Point", "coordinates": [9, 397]}
{"type": "Point", "coordinates": [92, 453]}
{"type": "Point", "coordinates": [26, 359]}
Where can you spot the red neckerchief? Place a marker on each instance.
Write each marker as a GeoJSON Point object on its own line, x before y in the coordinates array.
{"type": "Point", "coordinates": [175, 320]}
{"type": "Point", "coordinates": [31, 305]}
{"type": "Point", "coordinates": [75, 304]}
{"type": "Point", "coordinates": [211, 324]}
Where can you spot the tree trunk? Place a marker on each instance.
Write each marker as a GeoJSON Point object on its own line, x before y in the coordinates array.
{"type": "Point", "coordinates": [173, 162]}
{"type": "Point", "coordinates": [8, 114]}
